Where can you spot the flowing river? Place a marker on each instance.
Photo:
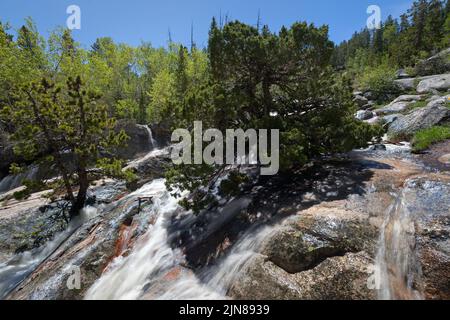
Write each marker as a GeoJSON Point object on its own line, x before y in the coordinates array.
{"type": "Point", "coordinates": [141, 274]}
{"type": "Point", "coordinates": [156, 265]}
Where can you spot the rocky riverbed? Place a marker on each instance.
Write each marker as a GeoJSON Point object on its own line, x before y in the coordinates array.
{"type": "Point", "coordinates": [370, 224]}
{"type": "Point", "coordinates": [328, 232]}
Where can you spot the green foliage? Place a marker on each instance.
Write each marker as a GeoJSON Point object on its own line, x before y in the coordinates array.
{"type": "Point", "coordinates": [231, 185]}
{"type": "Point", "coordinates": [379, 80]}
{"type": "Point", "coordinates": [418, 104]}
{"type": "Point", "coordinates": [31, 186]}
{"type": "Point", "coordinates": [71, 121]}
{"type": "Point", "coordinates": [420, 33]}
{"type": "Point", "coordinates": [425, 138]}
{"type": "Point", "coordinates": [255, 74]}
{"type": "Point", "coordinates": [437, 65]}
{"type": "Point", "coordinates": [245, 77]}
{"type": "Point", "coordinates": [15, 169]}
{"type": "Point", "coordinates": [113, 168]}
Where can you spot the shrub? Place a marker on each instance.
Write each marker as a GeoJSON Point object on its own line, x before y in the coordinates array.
{"type": "Point", "coordinates": [433, 66]}
{"type": "Point", "coordinates": [425, 138]}
{"type": "Point", "coordinates": [380, 81]}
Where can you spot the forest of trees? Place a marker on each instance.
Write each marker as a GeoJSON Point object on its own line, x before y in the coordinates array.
{"type": "Point", "coordinates": [57, 98]}
{"type": "Point", "coordinates": [421, 32]}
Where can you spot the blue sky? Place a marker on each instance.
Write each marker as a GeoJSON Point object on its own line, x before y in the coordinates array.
{"type": "Point", "coordinates": [134, 21]}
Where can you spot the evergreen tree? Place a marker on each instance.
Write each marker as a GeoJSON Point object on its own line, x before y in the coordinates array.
{"type": "Point", "coordinates": [378, 40]}
{"type": "Point", "coordinates": [418, 13]}
{"type": "Point", "coordinates": [404, 23]}
{"type": "Point", "coordinates": [261, 74]}
{"type": "Point", "coordinates": [70, 121]}
{"type": "Point", "coordinates": [434, 24]}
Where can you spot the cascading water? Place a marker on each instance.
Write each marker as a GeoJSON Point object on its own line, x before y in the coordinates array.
{"type": "Point", "coordinates": [20, 266]}
{"type": "Point", "coordinates": [152, 141]}
{"type": "Point", "coordinates": [396, 260]}
{"type": "Point", "coordinates": [143, 274]}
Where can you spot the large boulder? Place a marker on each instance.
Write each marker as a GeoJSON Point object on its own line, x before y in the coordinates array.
{"type": "Point", "coordinates": [434, 65]}
{"type": "Point", "coordinates": [389, 119]}
{"type": "Point", "coordinates": [322, 253]}
{"type": "Point", "coordinates": [399, 105]}
{"type": "Point", "coordinates": [394, 107]}
{"type": "Point", "coordinates": [439, 83]}
{"type": "Point", "coordinates": [410, 84]}
{"type": "Point", "coordinates": [337, 278]}
{"type": "Point", "coordinates": [315, 236]}
{"type": "Point", "coordinates": [408, 98]}
{"type": "Point", "coordinates": [422, 118]}
{"type": "Point", "coordinates": [439, 101]}
{"type": "Point", "coordinates": [364, 115]}
{"type": "Point", "coordinates": [406, 84]}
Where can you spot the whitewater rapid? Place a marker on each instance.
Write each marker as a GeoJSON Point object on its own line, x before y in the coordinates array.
{"type": "Point", "coordinates": [143, 273]}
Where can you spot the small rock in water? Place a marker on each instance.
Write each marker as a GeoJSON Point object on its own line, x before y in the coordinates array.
{"type": "Point", "coordinates": [378, 147]}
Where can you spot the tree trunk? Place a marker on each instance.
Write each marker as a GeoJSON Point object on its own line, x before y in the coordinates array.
{"type": "Point", "coordinates": [80, 200]}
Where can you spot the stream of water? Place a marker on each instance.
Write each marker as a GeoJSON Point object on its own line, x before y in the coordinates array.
{"type": "Point", "coordinates": [143, 273]}
{"type": "Point", "coordinates": [157, 269]}
{"type": "Point", "coordinates": [396, 259]}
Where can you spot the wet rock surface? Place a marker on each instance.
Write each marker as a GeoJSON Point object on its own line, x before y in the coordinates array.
{"type": "Point", "coordinates": [89, 249]}
{"type": "Point", "coordinates": [324, 222]}
{"type": "Point", "coordinates": [429, 203]}
{"type": "Point", "coordinates": [31, 234]}
{"type": "Point", "coordinates": [329, 250]}
{"type": "Point", "coordinates": [139, 142]}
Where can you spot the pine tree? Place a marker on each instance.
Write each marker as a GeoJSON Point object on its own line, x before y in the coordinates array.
{"type": "Point", "coordinates": [68, 44]}
{"type": "Point", "coordinates": [378, 40]}
{"type": "Point", "coordinates": [3, 33]}
{"type": "Point", "coordinates": [181, 76]}
{"type": "Point", "coordinates": [434, 24]}
{"type": "Point", "coordinates": [70, 121]}
{"type": "Point", "coordinates": [418, 13]}
{"type": "Point", "coordinates": [404, 23]}
{"type": "Point", "coordinates": [215, 48]}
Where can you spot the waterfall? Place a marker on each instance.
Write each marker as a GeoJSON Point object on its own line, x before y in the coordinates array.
{"type": "Point", "coordinates": [396, 260]}
{"type": "Point", "coordinates": [151, 258]}
{"type": "Point", "coordinates": [222, 276]}
{"type": "Point", "coordinates": [152, 141]}
{"type": "Point", "coordinates": [154, 270]}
